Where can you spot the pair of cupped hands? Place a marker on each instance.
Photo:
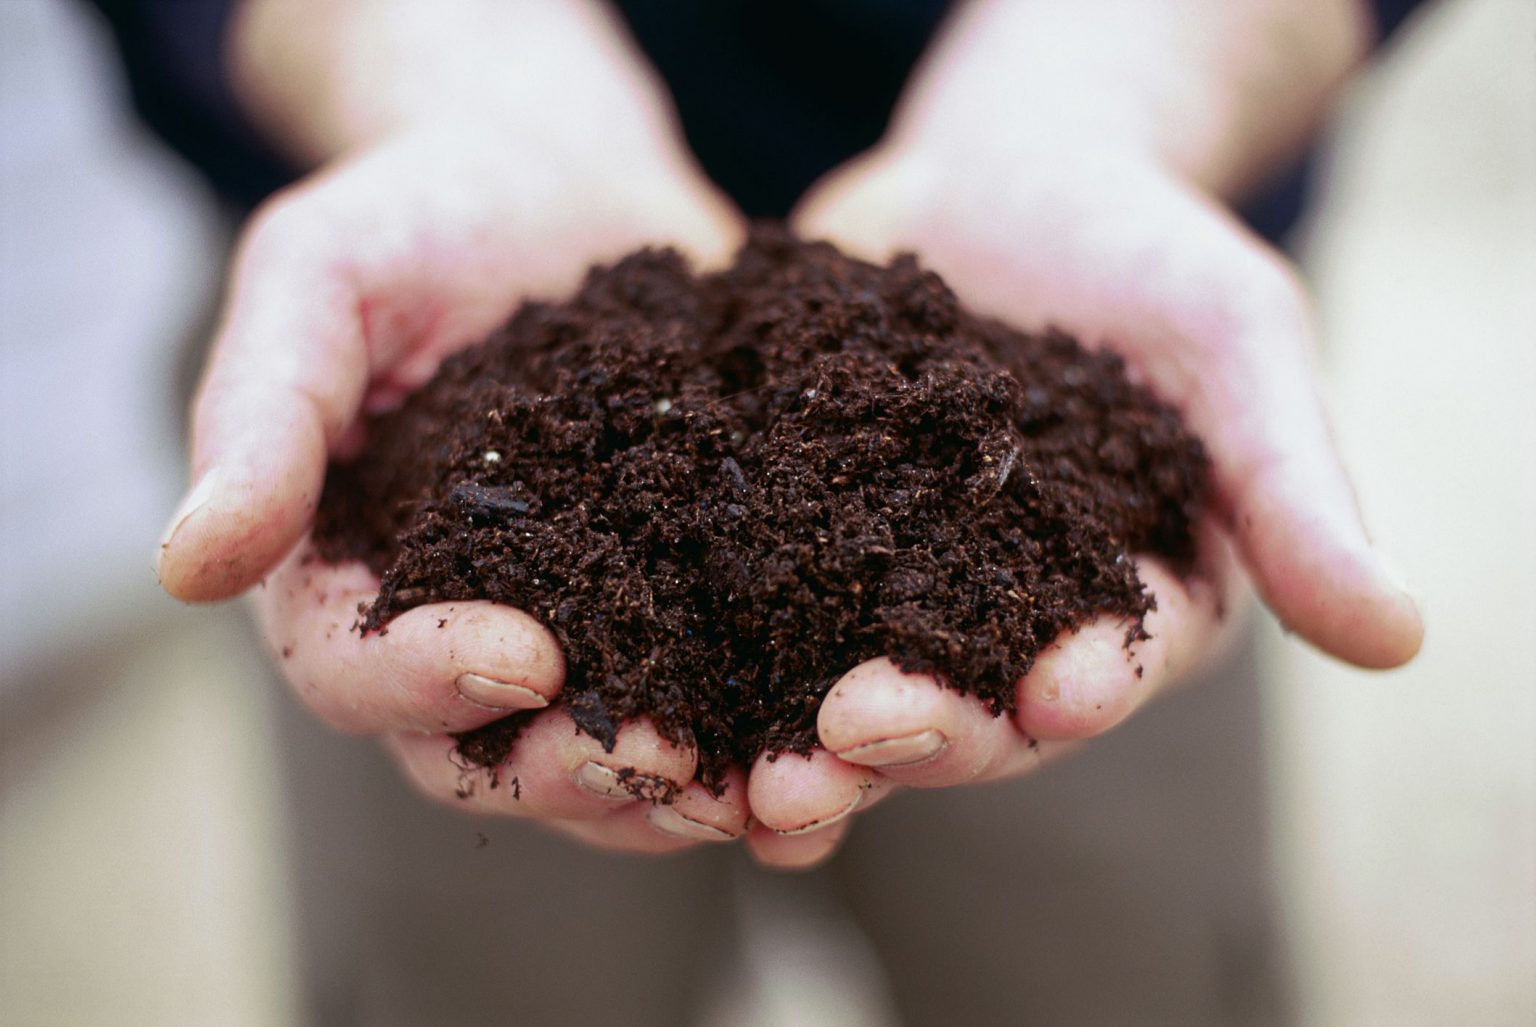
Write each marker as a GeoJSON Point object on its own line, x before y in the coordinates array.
{"type": "Point", "coordinates": [349, 289]}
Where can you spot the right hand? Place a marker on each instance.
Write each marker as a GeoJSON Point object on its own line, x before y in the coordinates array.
{"type": "Point", "coordinates": [347, 291]}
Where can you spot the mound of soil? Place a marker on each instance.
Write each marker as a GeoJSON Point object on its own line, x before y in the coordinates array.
{"type": "Point", "coordinates": [722, 492]}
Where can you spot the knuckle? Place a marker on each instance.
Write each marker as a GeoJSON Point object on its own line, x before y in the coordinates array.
{"type": "Point", "coordinates": [292, 225]}
{"type": "Point", "coordinates": [273, 223]}
{"type": "Point", "coordinates": [1278, 291]}
{"type": "Point", "coordinates": [1249, 294]}
{"type": "Point", "coordinates": [1264, 293]}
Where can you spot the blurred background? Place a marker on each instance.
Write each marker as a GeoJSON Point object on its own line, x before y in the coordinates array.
{"type": "Point", "coordinates": [144, 854]}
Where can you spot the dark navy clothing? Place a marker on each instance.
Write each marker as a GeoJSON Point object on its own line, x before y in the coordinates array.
{"type": "Point", "coordinates": [173, 52]}
{"type": "Point", "coordinates": [772, 95]}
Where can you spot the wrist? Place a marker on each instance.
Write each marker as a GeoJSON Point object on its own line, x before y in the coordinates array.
{"type": "Point", "coordinates": [325, 79]}
{"type": "Point", "coordinates": [1217, 92]}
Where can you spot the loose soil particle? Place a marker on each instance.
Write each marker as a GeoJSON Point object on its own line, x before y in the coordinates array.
{"type": "Point", "coordinates": [722, 492]}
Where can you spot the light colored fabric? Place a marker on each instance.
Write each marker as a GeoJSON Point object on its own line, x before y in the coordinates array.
{"type": "Point", "coordinates": [108, 251]}
{"type": "Point", "coordinates": [1407, 804]}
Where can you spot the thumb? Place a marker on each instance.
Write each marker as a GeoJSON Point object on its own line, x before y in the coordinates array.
{"type": "Point", "coordinates": [1279, 480]}
{"type": "Point", "coordinates": [285, 378]}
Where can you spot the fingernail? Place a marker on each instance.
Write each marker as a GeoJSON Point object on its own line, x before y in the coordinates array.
{"type": "Point", "coordinates": [816, 825]}
{"type": "Point", "coordinates": [196, 498]}
{"type": "Point", "coordinates": [898, 752]}
{"type": "Point", "coordinates": [668, 820]}
{"type": "Point", "coordinates": [498, 695]}
{"type": "Point", "coordinates": [1393, 572]}
{"type": "Point", "coordinates": [602, 781]}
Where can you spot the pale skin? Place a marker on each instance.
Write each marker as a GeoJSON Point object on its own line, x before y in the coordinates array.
{"type": "Point", "coordinates": [448, 190]}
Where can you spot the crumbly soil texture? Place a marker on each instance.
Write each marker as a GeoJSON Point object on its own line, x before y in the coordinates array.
{"type": "Point", "coordinates": [721, 492]}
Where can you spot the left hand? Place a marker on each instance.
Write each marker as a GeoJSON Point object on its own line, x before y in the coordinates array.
{"type": "Point", "coordinates": [1072, 165]}
{"type": "Point", "coordinates": [1114, 250]}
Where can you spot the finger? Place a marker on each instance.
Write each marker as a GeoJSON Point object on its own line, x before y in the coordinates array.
{"type": "Point", "coordinates": [431, 765]}
{"type": "Point", "coordinates": [553, 771]}
{"type": "Point", "coordinates": [695, 817]}
{"type": "Point", "coordinates": [1092, 679]}
{"type": "Point", "coordinates": [701, 815]}
{"type": "Point", "coordinates": [568, 774]}
{"type": "Point", "coordinates": [624, 831]}
{"type": "Point", "coordinates": [913, 729]}
{"type": "Point", "coordinates": [798, 851]}
{"type": "Point", "coordinates": [794, 794]}
{"type": "Point", "coordinates": [437, 668]}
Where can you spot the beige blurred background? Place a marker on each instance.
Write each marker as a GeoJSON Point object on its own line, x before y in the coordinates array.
{"type": "Point", "coordinates": [142, 857]}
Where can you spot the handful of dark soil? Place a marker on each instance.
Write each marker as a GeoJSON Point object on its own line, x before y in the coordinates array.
{"type": "Point", "coordinates": [722, 492]}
